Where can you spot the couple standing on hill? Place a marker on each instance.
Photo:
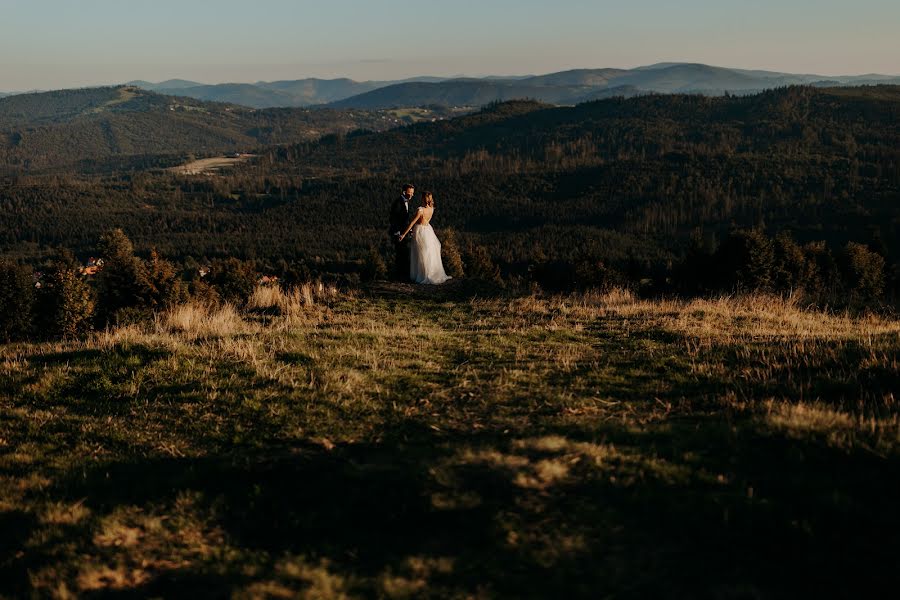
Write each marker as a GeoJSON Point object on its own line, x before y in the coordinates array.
{"type": "Point", "coordinates": [418, 251]}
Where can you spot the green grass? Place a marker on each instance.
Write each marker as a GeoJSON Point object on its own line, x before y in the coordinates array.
{"type": "Point", "coordinates": [418, 442]}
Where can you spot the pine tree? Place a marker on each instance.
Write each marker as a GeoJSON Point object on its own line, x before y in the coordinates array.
{"type": "Point", "coordinates": [65, 302]}
{"type": "Point", "coordinates": [165, 288]}
{"type": "Point", "coordinates": [16, 301]}
{"type": "Point", "coordinates": [863, 273]}
{"type": "Point", "coordinates": [122, 284]}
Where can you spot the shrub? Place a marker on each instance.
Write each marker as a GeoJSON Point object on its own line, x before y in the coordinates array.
{"type": "Point", "coordinates": [374, 268]}
{"type": "Point", "coordinates": [581, 274]}
{"type": "Point", "coordinates": [233, 279]}
{"type": "Point", "coordinates": [793, 268]}
{"type": "Point", "coordinates": [479, 265]}
{"type": "Point", "coordinates": [452, 258]}
{"type": "Point", "coordinates": [696, 273]}
{"type": "Point", "coordinates": [201, 292]}
{"type": "Point", "coordinates": [165, 289]}
{"type": "Point", "coordinates": [862, 273]}
{"type": "Point", "coordinates": [745, 261]}
{"type": "Point", "coordinates": [826, 285]}
{"type": "Point", "coordinates": [16, 301]}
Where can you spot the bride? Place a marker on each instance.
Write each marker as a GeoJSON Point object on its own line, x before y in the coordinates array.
{"type": "Point", "coordinates": [425, 264]}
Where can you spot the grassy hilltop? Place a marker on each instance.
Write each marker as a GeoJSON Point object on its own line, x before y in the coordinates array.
{"type": "Point", "coordinates": [408, 443]}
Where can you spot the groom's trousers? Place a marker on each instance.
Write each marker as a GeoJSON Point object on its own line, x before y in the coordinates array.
{"type": "Point", "coordinates": [401, 260]}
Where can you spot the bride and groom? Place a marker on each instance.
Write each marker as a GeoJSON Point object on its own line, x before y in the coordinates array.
{"type": "Point", "coordinates": [418, 251]}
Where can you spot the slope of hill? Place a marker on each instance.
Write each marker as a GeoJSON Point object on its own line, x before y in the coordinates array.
{"type": "Point", "coordinates": [626, 180]}
{"type": "Point", "coordinates": [244, 94]}
{"type": "Point", "coordinates": [572, 87]}
{"type": "Point", "coordinates": [576, 77]}
{"type": "Point", "coordinates": [61, 128]}
{"type": "Point", "coordinates": [263, 94]}
{"type": "Point", "coordinates": [169, 84]}
{"type": "Point", "coordinates": [463, 92]}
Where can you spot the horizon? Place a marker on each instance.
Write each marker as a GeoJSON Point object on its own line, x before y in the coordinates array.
{"type": "Point", "coordinates": [453, 76]}
{"type": "Point", "coordinates": [101, 42]}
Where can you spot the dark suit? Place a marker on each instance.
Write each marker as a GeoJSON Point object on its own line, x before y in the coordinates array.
{"type": "Point", "coordinates": [401, 211]}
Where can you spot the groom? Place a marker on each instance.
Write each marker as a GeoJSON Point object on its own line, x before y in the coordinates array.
{"type": "Point", "coordinates": [401, 210]}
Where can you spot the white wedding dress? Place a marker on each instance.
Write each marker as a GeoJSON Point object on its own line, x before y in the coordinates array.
{"type": "Point", "coordinates": [425, 265]}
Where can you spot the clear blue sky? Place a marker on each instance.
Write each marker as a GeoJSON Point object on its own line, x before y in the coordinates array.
{"type": "Point", "coordinates": [63, 43]}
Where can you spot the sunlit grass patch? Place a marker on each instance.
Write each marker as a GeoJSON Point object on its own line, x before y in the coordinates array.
{"type": "Point", "coordinates": [401, 447]}
{"type": "Point", "coordinates": [194, 321]}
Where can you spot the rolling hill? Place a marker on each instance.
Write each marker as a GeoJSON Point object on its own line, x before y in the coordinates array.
{"type": "Point", "coordinates": [461, 92]}
{"type": "Point", "coordinates": [573, 87]}
{"type": "Point", "coordinates": [55, 129]}
{"type": "Point", "coordinates": [564, 88]}
{"type": "Point", "coordinates": [628, 180]}
{"type": "Point", "coordinates": [263, 94]}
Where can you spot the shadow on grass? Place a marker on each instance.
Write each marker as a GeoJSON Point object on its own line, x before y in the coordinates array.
{"type": "Point", "coordinates": [699, 507]}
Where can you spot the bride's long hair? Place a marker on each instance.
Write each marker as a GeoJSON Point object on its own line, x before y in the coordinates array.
{"type": "Point", "coordinates": [427, 199]}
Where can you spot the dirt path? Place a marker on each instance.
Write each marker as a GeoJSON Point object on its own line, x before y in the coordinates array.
{"type": "Point", "coordinates": [210, 165]}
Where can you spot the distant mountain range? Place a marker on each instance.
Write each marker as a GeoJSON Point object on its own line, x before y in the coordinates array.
{"type": "Point", "coordinates": [565, 88]}
{"type": "Point", "coordinates": [574, 87]}
{"type": "Point", "coordinates": [296, 93]}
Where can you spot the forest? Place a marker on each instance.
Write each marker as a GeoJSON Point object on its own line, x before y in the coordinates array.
{"type": "Point", "coordinates": [646, 191]}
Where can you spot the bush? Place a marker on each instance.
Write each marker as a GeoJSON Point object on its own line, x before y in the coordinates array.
{"type": "Point", "coordinates": [16, 301]}
{"type": "Point", "coordinates": [793, 269]}
{"type": "Point", "coordinates": [452, 258]}
{"type": "Point", "coordinates": [826, 286]}
{"type": "Point", "coordinates": [479, 265]}
{"type": "Point", "coordinates": [745, 260]}
{"type": "Point", "coordinates": [65, 301]}
{"type": "Point", "coordinates": [374, 268]}
{"type": "Point", "coordinates": [581, 274]}
{"type": "Point", "coordinates": [233, 279]}
{"type": "Point", "coordinates": [165, 289]}
{"type": "Point", "coordinates": [202, 293]}
{"type": "Point", "coordinates": [696, 273]}
{"type": "Point", "coordinates": [862, 273]}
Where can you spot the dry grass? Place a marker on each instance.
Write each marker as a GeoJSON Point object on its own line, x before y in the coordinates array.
{"type": "Point", "coordinates": [194, 321]}
{"type": "Point", "coordinates": [306, 446]}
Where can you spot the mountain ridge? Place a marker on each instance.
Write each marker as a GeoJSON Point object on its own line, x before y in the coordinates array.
{"type": "Point", "coordinates": [563, 87]}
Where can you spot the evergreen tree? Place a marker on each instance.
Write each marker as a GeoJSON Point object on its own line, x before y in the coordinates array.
{"type": "Point", "coordinates": [863, 273]}
{"type": "Point", "coordinates": [793, 270]}
{"type": "Point", "coordinates": [16, 301]}
{"type": "Point", "coordinates": [164, 287]}
{"type": "Point", "coordinates": [65, 301]}
{"type": "Point", "coordinates": [745, 261]}
{"type": "Point", "coordinates": [122, 283]}
{"type": "Point", "coordinates": [233, 279]}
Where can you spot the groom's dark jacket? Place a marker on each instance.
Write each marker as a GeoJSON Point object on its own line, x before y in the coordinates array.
{"type": "Point", "coordinates": [400, 215]}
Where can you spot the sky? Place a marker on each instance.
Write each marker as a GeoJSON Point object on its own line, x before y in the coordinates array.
{"type": "Point", "coordinates": [52, 44]}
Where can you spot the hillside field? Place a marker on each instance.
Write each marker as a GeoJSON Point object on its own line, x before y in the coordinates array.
{"type": "Point", "coordinates": [399, 442]}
